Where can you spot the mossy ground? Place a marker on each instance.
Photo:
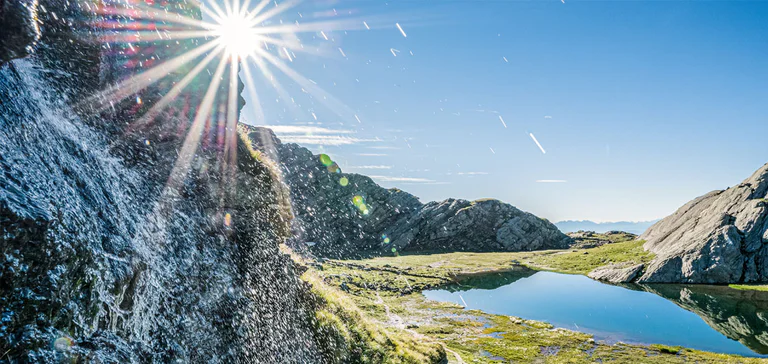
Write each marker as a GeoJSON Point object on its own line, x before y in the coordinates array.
{"type": "Point", "coordinates": [386, 292]}
{"type": "Point", "coordinates": [750, 287]}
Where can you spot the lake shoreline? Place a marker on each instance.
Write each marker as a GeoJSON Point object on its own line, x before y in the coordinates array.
{"type": "Point", "coordinates": [386, 286]}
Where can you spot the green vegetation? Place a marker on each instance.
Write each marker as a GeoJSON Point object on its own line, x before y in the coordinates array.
{"type": "Point", "coordinates": [572, 261]}
{"type": "Point", "coordinates": [586, 260]}
{"type": "Point", "coordinates": [750, 287]}
{"type": "Point", "coordinates": [347, 335]}
{"type": "Point", "coordinates": [381, 296]}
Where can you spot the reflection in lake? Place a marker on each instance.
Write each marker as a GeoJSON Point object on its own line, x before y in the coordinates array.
{"type": "Point", "coordinates": [740, 315]}
{"type": "Point", "coordinates": [490, 281]}
{"type": "Point", "coordinates": [710, 318]}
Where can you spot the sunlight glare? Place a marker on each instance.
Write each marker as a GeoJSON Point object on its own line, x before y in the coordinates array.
{"type": "Point", "coordinates": [238, 35]}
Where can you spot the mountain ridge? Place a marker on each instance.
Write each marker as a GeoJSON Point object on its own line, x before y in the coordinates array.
{"type": "Point", "coordinates": [345, 214]}
{"type": "Point", "coordinates": [634, 227]}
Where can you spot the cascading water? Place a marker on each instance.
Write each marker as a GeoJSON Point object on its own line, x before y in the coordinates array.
{"type": "Point", "coordinates": [103, 261]}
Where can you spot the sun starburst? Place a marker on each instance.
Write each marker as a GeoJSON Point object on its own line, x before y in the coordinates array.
{"type": "Point", "coordinates": [240, 36]}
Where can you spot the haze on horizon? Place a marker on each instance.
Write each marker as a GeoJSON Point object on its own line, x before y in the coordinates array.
{"type": "Point", "coordinates": [602, 111]}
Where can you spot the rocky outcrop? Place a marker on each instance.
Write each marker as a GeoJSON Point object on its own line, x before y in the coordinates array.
{"type": "Point", "coordinates": [482, 225]}
{"type": "Point", "coordinates": [343, 214]}
{"type": "Point", "coordinates": [616, 273]}
{"type": "Point", "coordinates": [721, 237]}
{"type": "Point", "coordinates": [103, 259]}
{"type": "Point", "coordinates": [591, 239]}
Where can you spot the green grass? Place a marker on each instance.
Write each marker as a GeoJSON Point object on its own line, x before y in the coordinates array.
{"type": "Point", "coordinates": [586, 260]}
{"type": "Point", "coordinates": [750, 287]}
{"type": "Point", "coordinates": [347, 335]}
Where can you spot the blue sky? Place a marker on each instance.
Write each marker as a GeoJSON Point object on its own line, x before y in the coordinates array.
{"type": "Point", "coordinates": [639, 105]}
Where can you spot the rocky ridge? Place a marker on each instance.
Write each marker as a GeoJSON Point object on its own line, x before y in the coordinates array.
{"type": "Point", "coordinates": [344, 214]}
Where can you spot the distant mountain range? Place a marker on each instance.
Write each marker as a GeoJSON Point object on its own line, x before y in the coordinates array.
{"type": "Point", "coordinates": [634, 227]}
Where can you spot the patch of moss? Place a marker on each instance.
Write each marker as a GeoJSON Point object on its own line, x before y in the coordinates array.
{"type": "Point", "coordinates": [666, 349]}
{"type": "Point", "coordinates": [750, 287]}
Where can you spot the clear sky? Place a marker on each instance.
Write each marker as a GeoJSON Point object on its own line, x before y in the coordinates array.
{"type": "Point", "coordinates": [639, 105]}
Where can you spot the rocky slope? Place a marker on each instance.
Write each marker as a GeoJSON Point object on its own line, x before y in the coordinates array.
{"type": "Point", "coordinates": [343, 214]}
{"type": "Point", "coordinates": [721, 237]}
{"type": "Point", "coordinates": [104, 260]}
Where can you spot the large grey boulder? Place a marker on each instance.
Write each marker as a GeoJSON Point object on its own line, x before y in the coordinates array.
{"type": "Point", "coordinates": [616, 273]}
{"type": "Point", "coordinates": [329, 220]}
{"type": "Point", "coordinates": [720, 237]}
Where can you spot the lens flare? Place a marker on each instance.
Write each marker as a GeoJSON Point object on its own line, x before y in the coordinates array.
{"type": "Point", "coordinates": [242, 38]}
{"type": "Point", "coordinates": [325, 160]}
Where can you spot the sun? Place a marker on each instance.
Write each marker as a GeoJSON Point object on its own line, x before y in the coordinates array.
{"type": "Point", "coordinates": [244, 40]}
{"type": "Point", "coordinates": [237, 34]}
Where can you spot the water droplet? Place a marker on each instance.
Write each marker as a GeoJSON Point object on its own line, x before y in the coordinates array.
{"type": "Point", "coordinates": [62, 344]}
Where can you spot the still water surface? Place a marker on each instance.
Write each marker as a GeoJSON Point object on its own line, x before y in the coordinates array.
{"type": "Point", "coordinates": [630, 313]}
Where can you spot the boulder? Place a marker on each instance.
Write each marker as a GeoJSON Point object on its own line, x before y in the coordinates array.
{"type": "Point", "coordinates": [616, 273]}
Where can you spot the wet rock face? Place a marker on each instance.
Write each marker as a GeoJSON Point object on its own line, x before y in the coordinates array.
{"type": "Point", "coordinates": [328, 217]}
{"type": "Point", "coordinates": [102, 259]}
{"type": "Point", "coordinates": [717, 238]}
{"type": "Point", "coordinates": [19, 30]}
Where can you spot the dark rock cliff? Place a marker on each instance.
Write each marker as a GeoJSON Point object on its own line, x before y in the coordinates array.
{"type": "Point", "coordinates": [345, 214]}
{"type": "Point", "coordinates": [107, 258]}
